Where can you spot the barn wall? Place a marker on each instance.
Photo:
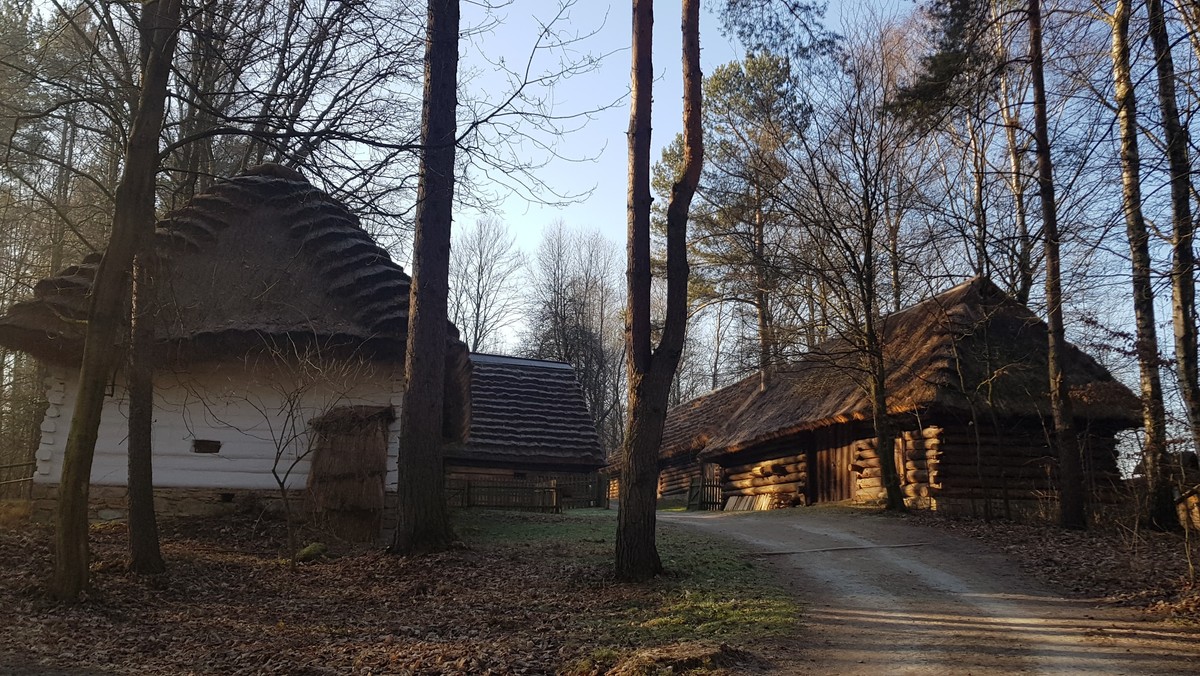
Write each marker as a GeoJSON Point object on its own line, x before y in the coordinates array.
{"type": "Point", "coordinates": [237, 403]}
{"type": "Point", "coordinates": [1002, 469]}
{"type": "Point", "coordinates": [676, 475]}
{"type": "Point", "coordinates": [775, 475]}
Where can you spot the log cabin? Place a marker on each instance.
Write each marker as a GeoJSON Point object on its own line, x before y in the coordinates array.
{"type": "Point", "coordinates": [967, 397]}
{"type": "Point", "coordinates": [278, 330]}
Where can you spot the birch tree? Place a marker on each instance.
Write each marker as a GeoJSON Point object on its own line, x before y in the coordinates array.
{"type": "Point", "coordinates": [1161, 509]}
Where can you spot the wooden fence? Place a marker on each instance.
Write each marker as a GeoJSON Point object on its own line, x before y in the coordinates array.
{"type": "Point", "coordinates": [15, 479]}
{"type": "Point", "coordinates": [704, 492]}
{"type": "Point", "coordinates": [540, 495]}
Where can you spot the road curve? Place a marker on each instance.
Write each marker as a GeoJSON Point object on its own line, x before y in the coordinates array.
{"type": "Point", "coordinates": [883, 596]}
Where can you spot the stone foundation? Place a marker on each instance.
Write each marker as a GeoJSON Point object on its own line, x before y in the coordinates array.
{"type": "Point", "coordinates": [111, 503]}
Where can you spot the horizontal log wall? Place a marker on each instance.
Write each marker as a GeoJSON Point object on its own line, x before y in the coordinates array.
{"type": "Point", "coordinates": [765, 484]}
{"type": "Point", "coordinates": [952, 466]}
{"type": "Point", "coordinates": [676, 475]}
{"type": "Point", "coordinates": [918, 454]}
{"type": "Point", "coordinates": [943, 466]}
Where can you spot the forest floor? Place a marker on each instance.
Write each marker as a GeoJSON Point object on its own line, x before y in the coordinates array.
{"type": "Point", "coordinates": [525, 593]}
{"type": "Point", "coordinates": [919, 594]}
{"type": "Point", "coordinates": [531, 593]}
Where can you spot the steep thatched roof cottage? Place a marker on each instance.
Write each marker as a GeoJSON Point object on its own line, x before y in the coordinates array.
{"type": "Point", "coordinates": [279, 330]}
{"type": "Point", "coordinates": [967, 391]}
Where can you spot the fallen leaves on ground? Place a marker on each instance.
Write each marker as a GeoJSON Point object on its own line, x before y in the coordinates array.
{"type": "Point", "coordinates": [1115, 563]}
{"type": "Point", "coordinates": [230, 605]}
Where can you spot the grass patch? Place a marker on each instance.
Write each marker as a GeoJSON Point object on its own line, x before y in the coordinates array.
{"type": "Point", "coordinates": [710, 590]}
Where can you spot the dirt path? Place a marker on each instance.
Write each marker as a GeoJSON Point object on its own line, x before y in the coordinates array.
{"type": "Point", "coordinates": [887, 597]}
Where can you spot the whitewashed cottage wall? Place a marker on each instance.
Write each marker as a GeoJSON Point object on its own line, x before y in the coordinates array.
{"type": "Point", "coordinates": [241, 405]}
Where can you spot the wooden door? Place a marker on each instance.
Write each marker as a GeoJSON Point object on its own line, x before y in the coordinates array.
{"type": "Point", "coordinates": [830, 476]}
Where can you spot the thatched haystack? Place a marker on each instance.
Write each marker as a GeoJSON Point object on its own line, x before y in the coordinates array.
{"type": "Point", "coordinates": [346, 481]}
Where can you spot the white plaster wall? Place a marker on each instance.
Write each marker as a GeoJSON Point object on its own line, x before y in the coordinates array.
{"type": "Point", "coordinates": [244, 405]}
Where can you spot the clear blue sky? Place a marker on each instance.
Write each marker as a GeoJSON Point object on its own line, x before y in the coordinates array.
{"type": "Point", "coordinates": [603, 138]}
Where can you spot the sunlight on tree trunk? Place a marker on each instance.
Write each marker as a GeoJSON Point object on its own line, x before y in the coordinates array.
{"type": "Point", "coordinates": [1160, 512]}
{"type": "Point", "coordinates": [651, 370]}
{"type": "Point", "coordinates": [1183, 261]}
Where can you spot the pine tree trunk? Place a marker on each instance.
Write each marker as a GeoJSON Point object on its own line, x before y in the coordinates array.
{"type": "Point", "coordinates": [424, 523]}
{"type": "Point", "coordinates": [144, 553]}
{"type": "Point", "coordinates": [1183, 260]}
{"type": "Point", "coordinates": [133, 208]}
{"type": "Point", "coordinates": [762, 299]}
{"type": "Point", "coordinates": [1161, 509]}
{"type": "Point", "coordinates": [651, 371]}
{"type": "Point", "coordinates": [1070, 469]}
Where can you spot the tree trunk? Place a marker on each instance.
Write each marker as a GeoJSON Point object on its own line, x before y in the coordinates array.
{"type": "Point", "coordinates": [762, 299]}
{"type": "Point", "coordinates": [424, 524]}
{"type": "Point", "coordinates": [1161, 509]}
{"type": "Point", "coordinates": [1183, 260]}
{"type": "Point", "coordinates": [885, 437]}
{"type": "Point", "coordinates": [133, 208]}
{"type": "Point", "coordinates": [651, 371]}
{"type": "Point", "coordinates": [144, 553]}
{"type": "Point", "coordinates": [1023, 284]}
{"type": "Point", "coordinates": [1070, 470]}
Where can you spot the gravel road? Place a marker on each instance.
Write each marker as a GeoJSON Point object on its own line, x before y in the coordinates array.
{"type": "Point", "coordinates": [883, 596]}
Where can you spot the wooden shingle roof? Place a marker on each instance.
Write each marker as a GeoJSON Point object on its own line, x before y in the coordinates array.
{"type": "Point", "coordinates": [530, 412]}
{"type": "Point", "coordinates": [970, 347]}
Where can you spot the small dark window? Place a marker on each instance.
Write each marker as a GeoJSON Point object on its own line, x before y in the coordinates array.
{"type": "Point", "coordinates": [205, 446]}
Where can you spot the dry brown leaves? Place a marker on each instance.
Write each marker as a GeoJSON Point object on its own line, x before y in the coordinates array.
{"type": "Point", "coordinates": [1122, 565]}
{"type": "Point", "coordinates": [228, 605]}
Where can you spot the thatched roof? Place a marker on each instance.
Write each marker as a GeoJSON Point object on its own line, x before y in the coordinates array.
{"type": "Point", "coordinates": [691, 425]}
{"type": "Point", "coordinates": [528, 412]}
{"type": "Point", "coordinates": [264, 254]}
{"type": "Point", "coordinates": [971, 347]}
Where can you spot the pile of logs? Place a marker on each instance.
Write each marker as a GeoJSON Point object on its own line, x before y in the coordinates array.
{"type": "Point", "coordinates": [778, 481]}
{"type": "Point", "coordinates": [918, 457]}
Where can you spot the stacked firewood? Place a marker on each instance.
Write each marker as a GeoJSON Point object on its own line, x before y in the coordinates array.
{"type": "Point", "coordinates": [918, 456]}
{"type": "Point", "coordinates": [785, 478]}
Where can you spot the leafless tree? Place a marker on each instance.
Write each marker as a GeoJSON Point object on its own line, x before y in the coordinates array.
{"type": "Point", "coordinates": [572, 315]}
{"type": "Point", "coordinates": [651, 368]}
{"type": "Point", "coordinates": [485, 272]}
